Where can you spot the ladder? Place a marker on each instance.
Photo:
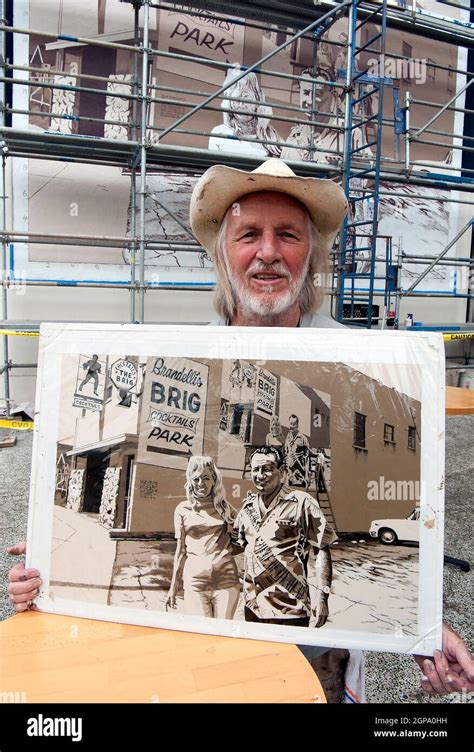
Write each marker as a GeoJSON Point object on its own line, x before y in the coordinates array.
{"type": "Point", "coordinates": [358, 225]}
{"type": "Point", "coordinates": [322, 496]}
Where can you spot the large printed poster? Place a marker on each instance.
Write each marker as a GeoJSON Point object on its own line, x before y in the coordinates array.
{"type": "Point", "coordinates": [261, 115]}
{"type": "Point", "coordinates": [266, 489]}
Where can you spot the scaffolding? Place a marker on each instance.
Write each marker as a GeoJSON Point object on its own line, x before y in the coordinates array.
{"type": "Point", "coordinates": [361, 167]}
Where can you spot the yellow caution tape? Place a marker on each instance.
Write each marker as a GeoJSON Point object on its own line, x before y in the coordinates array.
{"type": "Point", "coordinates": [17, 333]}
{"type": "Point", "coordinates": [458, 335]}
{"type": "Point", "coordinates": [17, 425]}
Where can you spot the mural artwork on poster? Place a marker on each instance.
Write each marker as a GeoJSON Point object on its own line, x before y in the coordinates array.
{"type": "Point", "coordinates": [252, 119]}
{"type": "Point", "coordinates": [239, 489]}
{"type": "Point", "coordinates": [90, 371]}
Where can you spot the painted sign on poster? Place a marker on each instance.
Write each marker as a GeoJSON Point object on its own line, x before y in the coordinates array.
{"type": "Point", "coordinates": [90, 383]}
{"type": "Point", "coordinates": [124, 374]}
{"type": "Point", "coordinates": [173, 410]}
{"type": "Point", "coordinates": [265, 393]}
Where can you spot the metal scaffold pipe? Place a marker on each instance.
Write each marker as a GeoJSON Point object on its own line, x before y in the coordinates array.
{"type": "Point", "coordinates": [439, 256]}
{"type": "Point", "coordinates": [68, 38]}
{"type": "Point", "coordinates": [3, 214]}
{"type": "Point", "coordinates": [152, 87]}
{"type": "Point", "coordinates": [143, 154]}
{"type": "Point", "coordinates": [148, 286]}
{"type": "Point", "coordinates": [64, 87]}
{"type": "Point", "coordinates": [427, 103]}
{"type": "Point", "coordinates": [252, 139]}
{"type": "Point", "coordinates": [71, 118]}
{"type": "Point", "coordinates": [415, 136]}
{"type": "Point", "coordinates": [444, 144]}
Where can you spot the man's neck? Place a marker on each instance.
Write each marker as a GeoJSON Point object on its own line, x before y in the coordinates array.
{"type": "Point", "coordinates": [290, 317]}
{"type": "Point", "coordinates": [268, 498]}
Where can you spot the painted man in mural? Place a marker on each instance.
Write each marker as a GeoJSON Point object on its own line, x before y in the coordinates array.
{"type": "Point", "coordinates": [324, 143]}
{"type": "Point", "coordinates": [286, 539]}
{"type": "Point", "coordinates": [296, 454]}
{"type": "Point", "coordinates": [93, 368]}
{"type": "Point", "coordinates": [304, 136]}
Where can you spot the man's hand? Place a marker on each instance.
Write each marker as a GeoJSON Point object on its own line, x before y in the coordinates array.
{"type": "Point", "coordinates": [451, 670]}
{"type": "Point", "coordinates": [320, 613]}
{"type": "Point", "coordinates": [23, 584]}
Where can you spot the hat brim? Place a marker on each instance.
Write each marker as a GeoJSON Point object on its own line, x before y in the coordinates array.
{"type": "Point", "coordinates": [220, 187]}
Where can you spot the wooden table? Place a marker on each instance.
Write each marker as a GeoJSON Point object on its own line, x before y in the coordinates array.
{"type": "Point", "coordinates": [55, 658]}
{"type": "Point", "coordinates": [459, 401]}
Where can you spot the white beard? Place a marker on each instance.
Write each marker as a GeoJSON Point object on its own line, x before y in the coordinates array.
{"type": "Point", "coordinates": [266, 302]}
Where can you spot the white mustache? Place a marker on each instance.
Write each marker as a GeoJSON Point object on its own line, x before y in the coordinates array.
{"type": "Point", "coordinates": [259, 267]}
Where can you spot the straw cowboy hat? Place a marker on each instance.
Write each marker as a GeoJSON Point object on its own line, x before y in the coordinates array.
{"type": "Point", "coordinates": [220, 187]}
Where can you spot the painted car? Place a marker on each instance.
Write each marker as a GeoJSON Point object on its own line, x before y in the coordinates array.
{"type": "Point", "coordinates": [391, 531]}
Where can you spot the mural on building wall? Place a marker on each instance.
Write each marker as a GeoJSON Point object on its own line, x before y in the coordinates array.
{"type": "Point", "coordinates": [242, 488]}
{"type": "Point", "coordinates": [249, 120]}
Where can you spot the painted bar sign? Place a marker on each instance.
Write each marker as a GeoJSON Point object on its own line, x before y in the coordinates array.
{"type": "Point", "coordinates": [173, 409]}
{"type": "Point", "coordinates": [265, 393]}
{"type": "Point", "coordinates": [124, 374]}
{"type": "Point", "coordinates": [90, 383]}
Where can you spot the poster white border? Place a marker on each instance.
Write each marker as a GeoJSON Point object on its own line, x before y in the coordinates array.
{"type": "Point", "coordinates": [425, 349]}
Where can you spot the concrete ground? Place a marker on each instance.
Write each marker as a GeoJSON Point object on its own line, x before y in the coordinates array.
{"type": "Point", "coordinates": [373, 586]}
{"type": "Point", "coordinates": [390, 678]}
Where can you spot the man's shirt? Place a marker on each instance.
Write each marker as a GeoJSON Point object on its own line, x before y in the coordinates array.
{"type": "Point", "coordinates": [276, 541]}
{"type": "Point", "coordinates": [92, 366]}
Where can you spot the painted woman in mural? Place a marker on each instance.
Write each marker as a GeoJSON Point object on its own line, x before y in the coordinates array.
{"type": "Point", "coordinates": [248, 119]}
{"type": "Point", "coordinates": [203, 551]}
{"type": "Point", "coordinates": [275, 436]}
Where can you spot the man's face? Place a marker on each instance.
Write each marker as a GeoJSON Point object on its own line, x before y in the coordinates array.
{"type": "Point", "coordinates": [322, 93]}
{"type": "Point", "coordinates": [267, 252]}
{"type": "Point", "coordinates": [306, 93]}
{"type": "Point", "coordinates": [266, 476]}
{"type": "Point", "coordinates": [293, 422]}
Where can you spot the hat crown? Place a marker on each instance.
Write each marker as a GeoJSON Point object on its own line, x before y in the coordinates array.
{"type": "Point", "coordinates": [275, 167]}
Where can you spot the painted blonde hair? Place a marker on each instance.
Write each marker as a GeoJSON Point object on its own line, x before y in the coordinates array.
{"type": "Point", "coordinates": [196, 466]}
{"type": "Point", "coordinates": [249, 88]}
